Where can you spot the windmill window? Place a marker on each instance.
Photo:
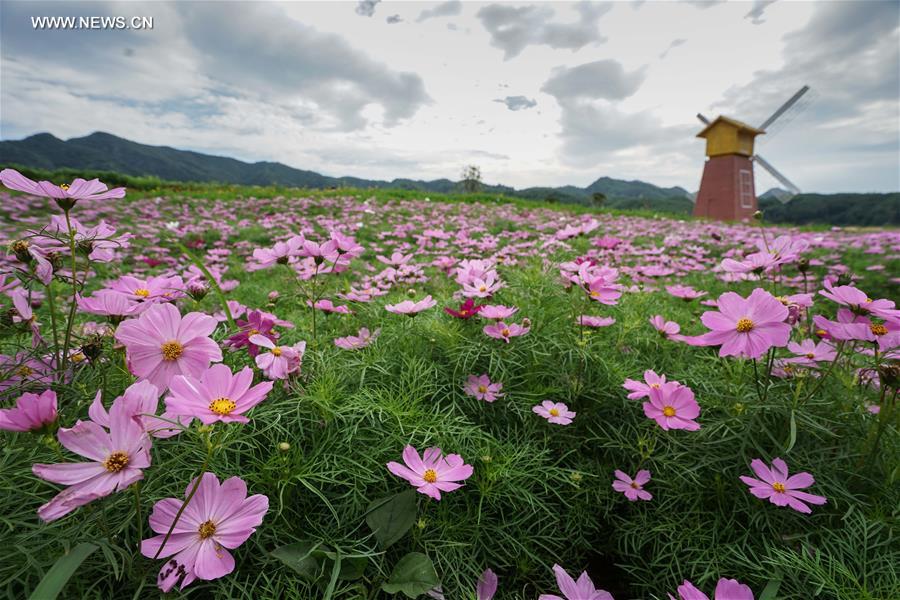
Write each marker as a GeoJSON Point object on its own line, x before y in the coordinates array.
{"type": "Point", "coordinates": [746, 189]}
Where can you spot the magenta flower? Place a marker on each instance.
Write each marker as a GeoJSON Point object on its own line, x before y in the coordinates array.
{"type": "Point", "coordinates": [257, 323]}
{"type": "Point", "coordinates": [432, 473]}
{"type": "Point", "coordinates": [497, 312]}
{"type": "Point", "coordinates": [589, 321]}
{"type": "Point", "coordinates": [161, 344]}
{"type": "Point", "coordinates": [280, 361]}
{"type": "Point", "coordinates": [481, 388]}
{"type": "Point", "coordinates": [502, 331]}
{"type": "Point", "coordinates": [408, 307]}
{"type": "Point", "coordinates": [633, 488]}
{"type": "Point", "coordinates": [467, 309]}
{"type": "Point", "coordinates": [583, 589]}
{"type": "Point", "coordinates": [142, 399]}
{"type": "Point", "coordinates": [747, 327]}
{"type": "Point", "coordinates": [218, 395]}
{"type": "Point", "coordinates": [217, 519]}
{"type": "Point", "coordinates": [66, 194]}
{"type": "Point", "coordinates": [665, 328]}
{"type": "Point", "coordinates": [355, 342]}
{"type": "Point", "coordinates": [487, 585]}
{"type": "Point", "coordinates": [118, 458]}
{"type": "Point", "coordinates": [31, 413]}
{"type": "Point", "coordinates": [640, 390]}
{"type": "Point", "coordinates": [672, 406]}
{"type": "Point", "coordinates": [726, 589]}
{"type": "Point", "coordinates": [781, 490]}
{"type": "Point", "coordinates": [555, 412]}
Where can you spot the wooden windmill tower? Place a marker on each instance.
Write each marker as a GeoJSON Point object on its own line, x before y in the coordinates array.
{"type": "Point", "coordinates": [727, 190]}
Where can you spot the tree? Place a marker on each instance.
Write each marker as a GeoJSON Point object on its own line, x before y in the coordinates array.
{"type": "Point", "coordinates": [598, 198]}
{"type": "Point", "coordinates": [471, 179]}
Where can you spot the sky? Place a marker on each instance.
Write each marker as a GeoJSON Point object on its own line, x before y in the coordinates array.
{"type": "Point", "coordinates": [534, 93]}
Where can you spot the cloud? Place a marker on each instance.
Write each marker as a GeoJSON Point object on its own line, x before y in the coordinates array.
{"type": "Point", "coordinates": [392, 19]}
{"type": "Point", "coordinates": [756, 12]}
{"type": "Point", "coordinates": [703, 4]}
{"type": "Point", "coordinates": [604, 79]}
{"type": "Point", "coordinates": [515, 103]}
{"type": "Point", "coordinates": [444, 9]}
{"type": "Point", "coordinates": [366, 8]}
{"type": "Point", "coordinates": [673, 44]}
{"type": "Point", "coordinates": [512, 29]}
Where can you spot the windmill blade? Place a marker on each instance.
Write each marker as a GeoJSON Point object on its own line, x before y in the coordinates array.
{"type": "Point", "coordinates": [785, 107]}
{"type": "Point", "coordinates": [703, 119]}
{"type": "Point", "coordinates": [778, 176]}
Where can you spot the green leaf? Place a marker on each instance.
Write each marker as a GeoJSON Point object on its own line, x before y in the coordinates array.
{"type": "Point", "coordinates": [413, 575]}
{"type": "Point", "coordinates": [390, 518]}
{"type": "Point", "coordinates": [58, 575]}
{"type": "Point", "coordinates": [770, 592]}
{"type": "Point", "coordinates": [312, 560]}
{"type": "Point", "coordinates": [300, 556]}
{"type": "Point", "coordinates": [793, 439]}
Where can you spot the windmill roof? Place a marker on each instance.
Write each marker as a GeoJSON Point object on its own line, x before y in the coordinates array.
{"type": "Point", "coordinates": [733, 122]}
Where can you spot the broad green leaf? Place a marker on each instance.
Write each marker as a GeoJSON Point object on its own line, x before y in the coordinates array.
{"type": "Point", "coordinates": [770, 592]}
{"type": "Point", "coordinates": [390, 518]}
{"type": "Point", "coordinates": [413, 575]}
{"type": "Point", "coordinates": [300, 556]}
{"type": "Point", "coordinates": [793, 439]}
{"type": "Point", "coordinates": [58, 575]}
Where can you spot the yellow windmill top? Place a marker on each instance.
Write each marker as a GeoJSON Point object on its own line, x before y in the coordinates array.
{"type": "Point", "coordinates": [729, 136]}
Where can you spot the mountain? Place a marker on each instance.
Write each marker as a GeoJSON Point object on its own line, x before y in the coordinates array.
{"type": "Point", "coordinates": [105, 152]}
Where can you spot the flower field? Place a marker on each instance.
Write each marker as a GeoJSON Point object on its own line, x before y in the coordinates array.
{"type": "Point", "coordinates": [239, 393]}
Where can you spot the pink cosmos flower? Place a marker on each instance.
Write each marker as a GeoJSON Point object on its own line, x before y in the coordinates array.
{"type": "Point", "coordinates": [326, 305]}
{"type": "Point", "coordinates": [395, 260]}
{"type": "Point", "coordinates": [355, 342]}
{"type": "Point", "coordinates": [502, 331]}
{"type": "Point", "coordinates": [280, 361]}
{"type": "Point", "coordinates": [218, 395]}
{"type": "Point", "coordinates": [118, 458]}
{"type": "Point", "coordinates": [220, 517]}
{"type": "Point", "coordinates": [487, 585]}
{"type": "Point", "coordinates": [482, 288]}
{"type": "Point", "coordinates": [747, 327]}
{"type": "Point", "coordinates": [810, 353]}
{"type": "Point", "coordinates": [672, 406]}
{"type": "Point", "coordinates": [497, 312]}
{"type": "Point", "coordinates": [756, 263]}
{"type": "Point", "coordinates": [161, 344]}
{"type": "Point", "coordinates": [604, 291]}
{"type": "Point", "coordinates": [408, 307]}
{"type": "Point", "coordinates": [66, 194]}
{"type": "Point", "coordinates": [27, 251]}
{"type": "Point", "coordinates": [152, 289]}
{"type": "Point", "coordinates": [849, 326]}
{"type": "Point", "coordinates": [726, 589]}
{"type": "Point", "coordinates": [432, 473]}
{"type": "Point", "coordinates": [685, 292]}
{"type": "Point", "coordinates": [781, 490]}
{"type": "Point", "coordinates": [281, 253]}
{"type": "Point", "coordinates": [589, 321]}
{"type": "Point", "coordinates": [481, 388]}
{"type": "Point", "coordinates": [665, 328]}
{"type": "Point", "coordinates": [633, 488]}
{"type": "Point", "coordinates": [554, 412]}
{"type": "Point", "coordinates": [640, 390]}
{"type": "Point", "coordinates": [31, 413]}
{"type": "Point", "coordinates": [858, 302]}
{"type": "Point", "coordinates": [109, 303]}
{"type": "Point", "coordinates": [583, 589]}
{"type": "Point", "coordinates": [142, 399]}
{"type": "Point", "coordinates": [257, 323]}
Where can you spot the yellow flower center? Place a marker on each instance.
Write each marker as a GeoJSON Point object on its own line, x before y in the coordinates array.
{"type": "Point", "coordinates": [655, 385]}
{"type": "Point", "coordinates": [594, 294]}
{"type": "Point", "coordinates": [20, 245]}
{"type": "Point", "coordinates": [222, 406]}
{"type": "Point", "coordinates": [744, 325]}
{"type": "Point", "coordinates": [778, 487]}
{"type": "Point", "coordinates": [878, 329]}
{"type": "Point", "coordinates": [24, 371]}
{"type": "Point", "coordinates": [171, 350]}
{"type": "Point", "coordinates": [116, 462]}
{"type": "Point", "coordinates": [635, 485]}
{"type": "Point", "coordinates": [668, 411]}
{"type": "Point", "coordinates": [142, 292]}
{"type": "Point", "coordinates": [810, 355]}
{"type": "Point", "coordinates": [77, 357]}
{"type": "Point", "coordinates": [206, 529]}
{"type": "Point", "coordinates": [505, 332]}
{"type": "Point", "coordinates": [253, 332]}
{"type": "Point", "coordinates": [276, 351]}
{"type": "Point", "coordinates": [64, 187]}
{"type": "Point", "coordinates": [554, 412]}
{"type": "Point", "coordinates": [482, 288]}
{"type": "Point", "coordinates": [482, 389]}
{"type": "Point", "coordinates": [430, 476]}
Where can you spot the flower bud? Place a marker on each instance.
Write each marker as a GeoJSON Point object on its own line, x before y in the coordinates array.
{"type": "Point", "coordinates": [758, 215]}
{"type": "Point", "coordinates": [411, 293]}
{"type": "Point", "coordinates": [284, 446]}
{"type": "Point", "coordinates": [803, 265]}
{"type": "Point", "coordinates": [197, 289]}
{"type": "Point", "coordinates": [20, 249]}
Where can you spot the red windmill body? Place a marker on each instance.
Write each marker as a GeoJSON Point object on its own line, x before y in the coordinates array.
{"type": "Point", "coordinates": [726, 191]}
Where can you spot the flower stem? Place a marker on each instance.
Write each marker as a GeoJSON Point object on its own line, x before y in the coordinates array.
{"type": "Point", "coordinates": [71, 319]}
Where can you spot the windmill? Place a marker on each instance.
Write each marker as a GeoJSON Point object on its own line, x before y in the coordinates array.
{"type": "Point", "coordinates": [727, 189]}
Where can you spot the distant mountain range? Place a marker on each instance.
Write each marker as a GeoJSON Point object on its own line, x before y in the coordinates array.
{"type": "Point", "coordinates": [105, 152]}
